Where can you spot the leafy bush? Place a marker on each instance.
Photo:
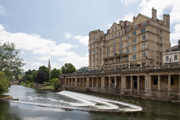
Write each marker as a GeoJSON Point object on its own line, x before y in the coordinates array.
{"type": "Point", "coordinates": [27, 82]}
{"type": "Point", "coordinates": [4, 84]}
{"type": "Point", "coordinates": [54, 82]}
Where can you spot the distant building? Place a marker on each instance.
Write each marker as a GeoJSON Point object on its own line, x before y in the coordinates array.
{"type": "Point", "coordinates": [138, 43]}
{"type": "Point", "coordinates": [172, 55]}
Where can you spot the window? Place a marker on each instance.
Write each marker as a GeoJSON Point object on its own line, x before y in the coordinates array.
{"type": "Point", "coordinates": [143, 30]}
{"type": "Point", "coordinates": [157, 39]}
{"type": "Point", "coordinates": [155, 81]}
{"type": "Point", "coordinates": [90, 57]}
{"type": "Point", "coordinates": [122, 32]}
{"type": "Point", "coordinates": [94, 62]}
{"type": "Point", "coordinates": [94, 45]}
{"type": "Point", "coordinates": [114, 41]}
{"type": "Point", "coordinates": [100, 49]}
{"type": "Point", "coordinates": [90, 52]}
{"type": "Point", "coordinates": [101, 44]}
{"type": "Point", "coordinates": [127, 37]}
{"type": "Point", "coordinates": [121, 45]}
{"type": "Point", "coordinates": [167, 58]}
{"type": "Point", "coordinates": [116, 35]}
{"type": "Point", "coordinates": [94, 51]}
{"type": "Point", "coordinates": [127, 43]}
{"type": "Point", "coordinates": [127, 50]}
{"type": "Point", "coordinates": [135, 26]}
{"type": "Point", "coordinates": [157, 31]}
{"type": "Point", "coordinates": [100, 55]}
{"type": "Point", "coordinates": [143, 45]}
{"type": "Point", "coordinates": [157, 55]}
{"type": "Point", "coordinates": [113, 60]}
{"type": "Point", "coordinates": [133, 40]}
{"type": "Point", "coordinates": [144, 36]}
{"type": "Point", "coordinates": [108, 43]}
{"type": "Point", "coordinates": [108, 49]}
{"type": "Point", "coordinates": [144, 54]}
{"type": "Point", "coordinates": [121, 52]}
{"type": "Point", "coordinates": [133, 56]}
{"type": "Point", "coordinates": [157, 47]}
{"type": "Point", "coordinates": [112, 36]}
{"type": "Point", "coordinates": [114, 47]}
{"type": "Point", "coordinates": [114, 53]}
{"type": "Point", "coordinates": [133, 48]}
{"type": "Point", "coordinates": [94, 56]}
{"type": "Point", "coordinates": [175, 57]}
{"type": "Point", "coordinates": [96, 36]}
{"type": "Point", "coordinates": [115, 28]}
{"type": "Point", "coordinates": [120, 39]}
{"type": "Point", "coordinates": [109, 37]}
{"type": "Point", "coordinates": [112, 29]}
{"type": "Point", "coordinates": [108, 54]}
{"type": "Point", "coordinates": [100, 62]}
{"type": "Point", "coordinates": [127, 58]}
{"type": "Point", "coordinates": [120, 59]}
{"type": "Point", "coordinates": [119, 33]}
{"type": "Point", "coordinates": [144, 23]}
{"type": "Point", "coordinates": [133, 33]}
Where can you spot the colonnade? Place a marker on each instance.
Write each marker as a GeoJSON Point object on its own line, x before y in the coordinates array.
{"type": "Point", "coordinates": [151, 82]}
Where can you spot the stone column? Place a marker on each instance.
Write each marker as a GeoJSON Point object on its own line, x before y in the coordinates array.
{"type": "Point", "coordinates": [68, 81]}
{"type": "Point", "coordinates": [147, 83]}
{"type": "Point", "coordinates": [169, 82]}
{"type": "Point", "coordinates": [115, 81]}
{"type": "Point", "coordinates": [109, 82]}
{"type": "Point", "coordinates": [102, 82]}
{"type": "Point", "coordinates": [75, 81]}
{"type": "Point", "coordinates": [92, 81]}
{"type": "Point", "coordinates": [159, 82]}
{"type": "Point", "coordinates": [123, 82]}
{"type": "Point", "coordinates": [87, 82]}
{"type": "Point", "coordinates": [131, 83]}
{"type": "Point", "coordinates": [179, 83]}
{"type": "Point", "coordinates": [138, 82]}
{"type": "Point", "coordinates": [83, 81]}
{"type": "Point", "coordinates": [65, 81]}
{"type": "Point", "coordinates": [96, 79]}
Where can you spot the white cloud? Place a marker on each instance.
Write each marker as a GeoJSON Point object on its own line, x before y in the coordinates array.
{"type": "Point", "coordinates": [2, 10]}
{"type": "Point", "coordinates": [37, 64]}
{"type": "Point", "coordinates": [67, 35]}
{"type": "Point", "coordinates": [127, 2]}
{"type": "Point", "coordinates": [45, 48]}
{"type": "Point", "coordinates": [82, 39]}
{"type": "Point", "coordinates": [76, 60]}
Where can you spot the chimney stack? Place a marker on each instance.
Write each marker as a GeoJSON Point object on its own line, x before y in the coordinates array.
{"type": "Point", "coordinates": [154, 15]}
{"type": "Point", "coordinates": [134, 18]}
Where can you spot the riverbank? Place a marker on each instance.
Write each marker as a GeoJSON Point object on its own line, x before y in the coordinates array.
{"type": "Point", "coordinates": [6, 97]}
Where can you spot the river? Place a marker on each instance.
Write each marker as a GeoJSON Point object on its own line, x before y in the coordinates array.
{"type": "Point", "coordinates": [66, 105]}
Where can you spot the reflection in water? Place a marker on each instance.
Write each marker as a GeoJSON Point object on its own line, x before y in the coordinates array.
{"type": "Point", "coordinates": [46, 105]}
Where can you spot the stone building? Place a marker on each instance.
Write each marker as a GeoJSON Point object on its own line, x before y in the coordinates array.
{"type": "Point", "coordinates": [112, 57]}
{"type": "Point", "coordinates": [138, 43]}
{"type": "Point", "coordinates": [172, 55]}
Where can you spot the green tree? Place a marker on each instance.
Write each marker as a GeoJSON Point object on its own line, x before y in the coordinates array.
{"type": "Point", "coordinates": [83, 69]}
{"type": "Point", "coordinates": [4, 84]}
{"type": "Point", "coordinates": [55, 83]}
{"type": "Point", "coordinates": [68, 68]}
{"type": "Point", "coordinates": [10, 62]}
{"type": "Point", "coordinates": [34, 74]}
{"type": "Point", "coordinates": [45, 70]}
{"type": "Point", "coordinates": [55, 73]}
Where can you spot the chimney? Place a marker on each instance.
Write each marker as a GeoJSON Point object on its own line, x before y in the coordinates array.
{"type": "Point", "coordinates": [121, 23]}
{"type": "Point", "coordinates": [166, 19]}
{"type": "Point", "coordinates": [134, 18]}
{"type": "Point", "coordinates": [154, 14]}
{"type": "Point", "coordinates": [178, 42]}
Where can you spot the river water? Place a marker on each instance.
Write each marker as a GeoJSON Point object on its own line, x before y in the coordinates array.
{"type": "Point", "coordinates": [66, 105]}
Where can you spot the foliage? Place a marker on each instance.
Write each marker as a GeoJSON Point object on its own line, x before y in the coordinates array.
{"type": "Point", "coordinates": [83, 69]}
{"type": "Point", "coordinates": [53, 81]}
{"type": "Point", "coordinates": [55, 73]}
{"type": "Point", "coordinates": [45, 70]}
{"type": "Point", "coordinates": [34, 74]}
{"type": "Point", "coordinates": [41, 77]}
{"type": "Point", "coordinates": [29, 72]}
{"type": "Point", "coordinates": [10, 62]}
{"type": "Point", "coordinates": [68, 68]}
{"type": "Point", "coordinates": [4, 84]}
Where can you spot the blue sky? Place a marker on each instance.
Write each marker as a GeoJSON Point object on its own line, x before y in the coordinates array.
{"type": "Point", "coordinates": [58, 29]}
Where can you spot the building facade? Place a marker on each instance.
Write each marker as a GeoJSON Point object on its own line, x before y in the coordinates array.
{"type": "Point", "coordinates": [172, 55]}
{"type": "Point", "coordinates": [138, 43]}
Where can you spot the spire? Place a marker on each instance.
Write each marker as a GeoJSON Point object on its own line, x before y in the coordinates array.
{"type": "Point", "coordinates": [49, 66]}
